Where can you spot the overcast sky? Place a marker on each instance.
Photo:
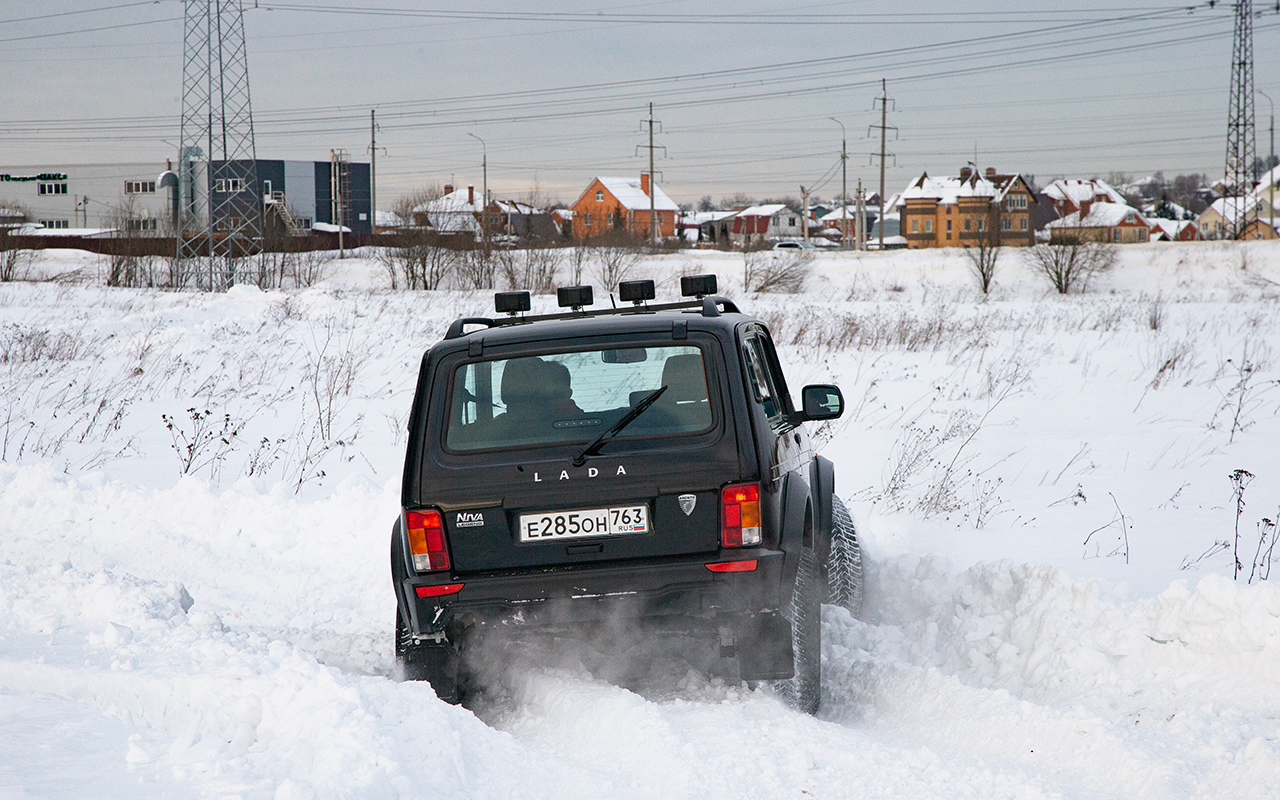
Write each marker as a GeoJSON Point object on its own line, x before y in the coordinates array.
{"type": "Point", "coordinates": [557, 90]}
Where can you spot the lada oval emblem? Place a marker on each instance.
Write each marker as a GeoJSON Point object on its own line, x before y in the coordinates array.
{"type": "Point", "coordinates": [687, 502]}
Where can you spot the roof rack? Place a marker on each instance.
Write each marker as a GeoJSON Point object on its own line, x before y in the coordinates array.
{"type": "Point", "coordinates": [710, 307]}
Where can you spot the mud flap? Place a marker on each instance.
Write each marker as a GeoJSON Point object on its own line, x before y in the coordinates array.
{"type": "Point", "coordinates": [764, 648]}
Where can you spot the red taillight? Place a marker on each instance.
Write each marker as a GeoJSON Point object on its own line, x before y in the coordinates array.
{"type": "Point", "coordinates": [740, 515]}
{"type": "Point", "coordinates": [426, 540]}
{"type": "Point", "coordinates": [436, 591]}
{"type": "Point", "coordinates": [732, 566]}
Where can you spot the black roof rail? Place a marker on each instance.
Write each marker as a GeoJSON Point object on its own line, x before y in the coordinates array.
{"type": "Point", "coordinates": [708, 306]}
{"type": "Point", "coordinates": [455, 330]}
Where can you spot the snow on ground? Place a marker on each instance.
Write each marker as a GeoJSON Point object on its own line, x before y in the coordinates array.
{"type": "Point", "coordinates": [196, 493]}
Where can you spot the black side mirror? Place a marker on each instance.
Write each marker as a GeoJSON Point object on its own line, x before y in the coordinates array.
{"type": "Point", "coordinates": [822, 401]}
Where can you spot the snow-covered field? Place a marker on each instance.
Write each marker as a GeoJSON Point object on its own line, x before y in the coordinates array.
{"type": "Point", "coordinates": [196, 493]}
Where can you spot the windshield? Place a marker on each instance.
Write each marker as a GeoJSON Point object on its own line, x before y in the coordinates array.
{"type": "Point", "coordinates": [574, 397]}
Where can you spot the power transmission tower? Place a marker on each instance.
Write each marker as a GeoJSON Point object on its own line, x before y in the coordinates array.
{"type": "Point", "coordinates": [221, 204]}
{"type": "Point", "coordinates": [653, 177]}
{"type": "Point", "coordinates": [1240, 131]}
{"type": "Point", "coordinates": [883, 100]}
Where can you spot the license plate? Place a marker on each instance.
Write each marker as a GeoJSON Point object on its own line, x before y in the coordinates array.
{"type": "Point", "coordinates": [552, 525]}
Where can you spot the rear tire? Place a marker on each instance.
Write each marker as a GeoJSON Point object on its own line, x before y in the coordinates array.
{"type": "Point", "coordinates": [436, 663]}
{"type": "Point", "coordinates": [804, 690]}
{"type": "Point", "coordinates": [844, 567]}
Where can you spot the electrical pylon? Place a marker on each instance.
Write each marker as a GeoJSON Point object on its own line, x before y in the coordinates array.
{"type": "Point", "coordinates": [1240, 132]}
{"type": "Point", "coordinates": [221, 206]}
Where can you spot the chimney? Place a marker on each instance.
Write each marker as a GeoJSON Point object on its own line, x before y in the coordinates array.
{"type": "Point", "coordinates": [471, 195]}
{"type": "Point", "coordinates": [448, 188]}
{"type": "Point", "coordinates": [644, 184]}
{"type": "Point", "coordinates": [965, 172]}
{"type": "Point", "coordinates": [991, 172]}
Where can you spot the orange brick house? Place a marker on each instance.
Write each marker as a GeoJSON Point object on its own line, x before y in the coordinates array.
{"type": "Point", "coordinates": [964, 211]}
{"type": "Point", "coordinates": [622, 204]}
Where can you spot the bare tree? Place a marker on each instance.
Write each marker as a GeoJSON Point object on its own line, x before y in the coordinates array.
{"type": "Point", "coordinates": [128, 262]}
{"type": "Point", "coordinates": [1072, 261]}
{"type": "Point", "coordinates": [984, 253]}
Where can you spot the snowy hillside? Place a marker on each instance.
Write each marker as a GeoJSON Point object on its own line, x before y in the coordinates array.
{"type": "Point", "coordinates": [196, 493]}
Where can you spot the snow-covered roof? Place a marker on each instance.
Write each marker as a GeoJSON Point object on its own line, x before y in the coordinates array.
{"type": "Point", "coordinates": [1080, 191]}
{"type": "Point", "coordinates": [764, 211]}
{"type": "Point", "coordinates": [328, 227]}
{"type": "Point", "coordinates": [627, 192]}
{"type": "Point", "coordinates": [460, 201]}
{"type": "Point", "coordinates": [949, 190]}
{"type": "Point", "coordinates": [389, 219]}
{"type": "Point", "coordinates": [32, 229]}
{"type": "Point", "coordinates": [1101, 215]}
{"type": "Point", "coordinates": [703, 217]}
{"type": "Point", "coordinates": [838, 215]}
{"type": "Point", "coordinates": [1229, 207]}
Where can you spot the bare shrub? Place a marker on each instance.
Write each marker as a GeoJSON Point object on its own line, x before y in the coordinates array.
{"type": "Point", "coordinates": [1242, 399]}
{"type": "Point", "coordinates": [1119, 527]}
{"type": "Point", "coordinates": [475, 268]}
{"type": "Point", "coordinates": [420, 262]}
{"type": "Point", "coordinates": [15, 263]}
{"type": "Point", "coordinates": [206, 444]}
{"type": "Point", "coordinates": [1069, 264]}
{"type": "Point", "coordinates": [781, 272]}
{"type": "Point", "coordinates": [532, 268]}
{"type": "Point", "coordinates": [613, 256]}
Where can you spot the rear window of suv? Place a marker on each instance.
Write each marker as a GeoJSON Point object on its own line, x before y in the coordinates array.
{"type": "Point", "coordinates": [560, 398]}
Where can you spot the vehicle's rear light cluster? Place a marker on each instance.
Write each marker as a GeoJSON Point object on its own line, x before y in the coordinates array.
{"type": "Point", "coordinates": [426, 540]}
{"type": "Point", "coordinates": [740, 515]}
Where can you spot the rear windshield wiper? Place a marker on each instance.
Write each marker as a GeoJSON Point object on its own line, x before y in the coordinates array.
{"type": "Point", "coordinates": [627, 419]}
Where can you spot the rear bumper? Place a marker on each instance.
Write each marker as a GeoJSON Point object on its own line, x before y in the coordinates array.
{"type": "Point", "coordinates": [673, 588]}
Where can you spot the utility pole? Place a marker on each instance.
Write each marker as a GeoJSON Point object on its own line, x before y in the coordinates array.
{"type": "Point", "coordinates": [844, 186]}
{"type": "Point", "coordinates": [373, 172]}
{"type": "Point", "coordinates": [884, 101]}
{"type": "Point", "coordinates": [804, 213]}
{"type": "Point", "coordinates": [861, 229]}
{"type": "Point", "coordinates": [1240, 128]}
{"type": "Point", "coordinates": [653, 177]}
{"type": "Point", "coordinates": [484, 189]}
{"type": "Point", "coordinates": [653, 189]}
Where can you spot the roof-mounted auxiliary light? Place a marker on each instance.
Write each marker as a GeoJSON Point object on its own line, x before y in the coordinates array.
{"type": "Point", "coordinates": [698, 286]}
{"type": "Point", "coordinates": [636, 292]}
{"type": "Point", "coordinates": [574, 297]}
{"type": "Point", "coordinates": [511, 303]}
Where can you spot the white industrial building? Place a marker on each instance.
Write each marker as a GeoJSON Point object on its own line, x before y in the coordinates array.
{"type": "Point", "coordinates": [90, 198]}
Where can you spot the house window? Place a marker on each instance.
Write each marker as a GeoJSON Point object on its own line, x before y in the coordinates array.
{"type": "Point", "coordinates": [613, 218]}
{"type": "Point", "coordinates": [1142, 235]}
{"type": "Point", "coordinates": [1128, 217]}
{"type": "Point", "coordinates": [948, 225]}
{"type": "Point", "coordinates": [56, 224]}
{"type": "Point", "coordinates": [982, 225]}
{"type": "Point", "coordinates": [1006, 224]}
{"type": "Point", "coordinates": [599, 195]}
{"type": "Point", "coordinates": [229, 185]}
{"type": "Point", "coordinates": [928, 226]}
{"type": "Point", "coordinates": [968, 224]}
{"type": "Point", "coordinates": [586, 220]}
{"type": "Point", "coordinates": [791, 221]}
{"type": "Point", "coordinates": [139, 187]}
{"type": "Point", "coordinates": [1115, 235]}
{"type": "Point", "coordinates": [1024, 223]}
{"type": "Point", "coordinates": [915, 226]}
{"type": "Point", "coordinates": [53, 188]}
{"type": "Point", "coordinates": [140, 225]}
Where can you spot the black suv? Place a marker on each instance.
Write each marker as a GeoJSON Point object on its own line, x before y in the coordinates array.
{"type": "Point", "coordinates": [643, 462]}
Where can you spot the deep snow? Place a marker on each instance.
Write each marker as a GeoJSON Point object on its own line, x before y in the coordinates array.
{"type": "Point", "coordinates": [227, 632]}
